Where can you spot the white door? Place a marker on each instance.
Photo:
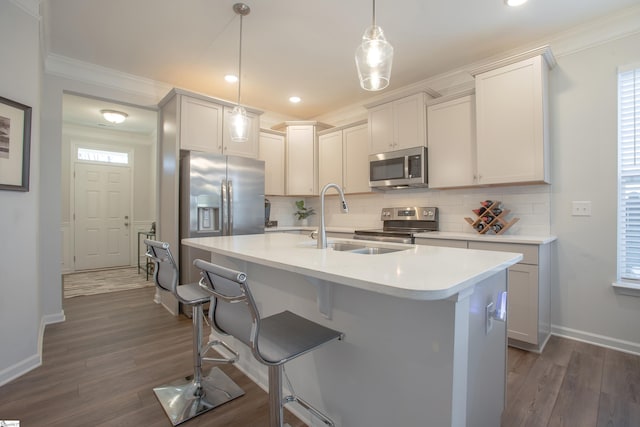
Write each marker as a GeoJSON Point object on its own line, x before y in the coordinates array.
{"type": "Point", "coordinates": [102, 216]}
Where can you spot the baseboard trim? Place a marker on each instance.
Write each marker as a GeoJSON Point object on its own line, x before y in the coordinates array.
{"type": "Point", "coordinates": [595, 339]}
{"type": "Point", "coordinates": [12, 372]}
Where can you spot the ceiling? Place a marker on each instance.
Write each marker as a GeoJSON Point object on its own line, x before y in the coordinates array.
{"type": "Point", "coordinates": [296, 47]}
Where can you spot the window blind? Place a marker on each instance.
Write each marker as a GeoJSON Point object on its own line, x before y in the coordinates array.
{"type": "Point", "coordinates": [629, 175]}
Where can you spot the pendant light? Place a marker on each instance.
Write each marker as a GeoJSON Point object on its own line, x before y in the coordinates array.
{"type": "Point", "coordinates": [374, 58]}
{"type": "Point", "coordinates": [239, 125]}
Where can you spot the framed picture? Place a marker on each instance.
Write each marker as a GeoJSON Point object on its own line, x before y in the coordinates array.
{"type": "Point", "coordinates": [15, 144]}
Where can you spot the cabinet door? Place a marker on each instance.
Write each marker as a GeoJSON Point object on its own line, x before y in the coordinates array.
{"type": "Point", "coordinates": [511, 125]}
{"type": "Point", "coordinates": [410, 122]}
{"type": "Point", "coordinates": [381, 129]}
{"type": "Point", "coordinates": [272, 152]}
{"type": "Point", "coordinates": [301, 161]}
{"type": "Point", "coordinates": [330, 159]}
{"type": "Point", "coordinates": [200, 125]}
{"type": "Point", "coordinates": [244, 149]}
{"type": "Point", "coordinates": [522, 303]}
{"type": "Point", "coordinates": [355, 159]}
{"type": "Point", "coordinates": [452, 143]}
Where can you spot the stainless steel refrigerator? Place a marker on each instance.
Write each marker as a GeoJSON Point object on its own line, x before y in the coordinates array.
{"type": "Point", "coordinates": [219, 196]}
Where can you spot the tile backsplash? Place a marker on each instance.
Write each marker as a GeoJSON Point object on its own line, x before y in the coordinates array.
{"type": "Point", "coordinates": [529, 203]}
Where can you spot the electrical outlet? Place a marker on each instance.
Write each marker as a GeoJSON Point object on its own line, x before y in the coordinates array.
{"type": "Point", "coordinates": [581, 208]}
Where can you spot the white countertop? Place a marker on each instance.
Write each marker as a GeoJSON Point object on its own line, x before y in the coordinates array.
{"type": "Point", "coordinates": [445, 235]}
{"type": "Point", "coordinates": [420, 272]}
{"type": "Point", "coordinates": [489, 238]}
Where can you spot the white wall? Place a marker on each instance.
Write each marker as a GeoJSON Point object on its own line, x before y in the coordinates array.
{"type": "Point", "coordinates": [54, 85]}
{"type": "Point", "coordinates": [584, 141]}
{"type": "Point", "coordinates": [20, 308]}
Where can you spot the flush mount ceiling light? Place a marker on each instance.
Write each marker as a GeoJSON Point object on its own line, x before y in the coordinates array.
{"type": "Point", "coordinates": [514, 3]}
{"type": "Point", "coordinates": [374, 58]}
{"type": "Point", "coordinates": [294, 99]}
{"type": "Point", "coordinates": [239, 120]}
{"type": "Point", "coordinates": [231, 78]}
{"type": "Point", "coordinates": [113, 116]}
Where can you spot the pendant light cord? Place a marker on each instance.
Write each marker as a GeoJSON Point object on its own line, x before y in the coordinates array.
{"type": "Point", "coordinates": [374, 13]}
{"type": "Point", "coordinates": [240, 62]}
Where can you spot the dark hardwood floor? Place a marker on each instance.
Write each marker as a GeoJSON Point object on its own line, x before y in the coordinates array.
{"type": "Point", "coordinates": [572, 384]}
{"type": "Point", "coordinates": [101, 364]}
{"type": "Point", "coordinates": [99, 368]}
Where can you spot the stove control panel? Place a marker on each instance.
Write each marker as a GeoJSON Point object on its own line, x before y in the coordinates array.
{"type": "Point", "coordinates": [410, 214]}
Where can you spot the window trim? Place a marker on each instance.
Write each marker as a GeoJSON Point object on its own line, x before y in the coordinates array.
{"type": "Point", "coordinates": [623, 285]}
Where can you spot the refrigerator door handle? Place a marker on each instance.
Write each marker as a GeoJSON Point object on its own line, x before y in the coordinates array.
{"type": "Point", "coordinates": [230, 206]}
{"type": "Point", "coordinates": [224, 205]}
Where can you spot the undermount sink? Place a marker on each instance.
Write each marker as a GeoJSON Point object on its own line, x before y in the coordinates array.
{"type": "Point", "coordinates": [361, 249]}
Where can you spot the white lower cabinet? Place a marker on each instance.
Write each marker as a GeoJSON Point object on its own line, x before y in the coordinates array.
{"type": "Point", "coordinates": [528, 301]}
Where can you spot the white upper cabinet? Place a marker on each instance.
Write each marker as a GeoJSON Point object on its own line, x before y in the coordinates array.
{"type": "Point", "coordinates": [200, 125]}
{"type": "Point", "coordinates": [244, 149]}
{"type": "Point", "coordinates": [398, 124]}
{"type": "Point", "coordinates": [204, 126]}
{"type": "Point", "coordinates": [452, 143]}
{"type": "Point", "coordinates": [272, 152]}
{"type": "Point", "coordinates": [512, 124]}
{"type": "Point", "coordinates": [302, 160]}
{"type": "Point", "coordinates": [330, 159]}
{"type": "Point", "coordinates": [355, 159]}
{"type": "Point", "coordinates": [343, 158]}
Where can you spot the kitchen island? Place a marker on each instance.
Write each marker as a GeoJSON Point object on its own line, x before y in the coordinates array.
{"type": "Point", "coordinates": [420, 347]}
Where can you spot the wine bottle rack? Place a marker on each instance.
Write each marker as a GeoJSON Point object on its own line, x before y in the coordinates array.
{"type": "Point", "coordinates": [491, 217]}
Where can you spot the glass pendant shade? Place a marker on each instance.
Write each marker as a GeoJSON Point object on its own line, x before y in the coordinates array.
{"type": "Point", "coordinates": [239, 124]}
{"type": "Point", "coordinates": [374, 58]}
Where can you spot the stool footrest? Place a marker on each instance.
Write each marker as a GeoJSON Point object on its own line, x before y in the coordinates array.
{"type": "Point", "coordinates": [292, 398]}
{"type": "Point", "coordinates": [211, 344]}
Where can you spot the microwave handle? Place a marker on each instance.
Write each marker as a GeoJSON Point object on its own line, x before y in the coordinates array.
{"type": "Point", "coordinates": [406, 167]}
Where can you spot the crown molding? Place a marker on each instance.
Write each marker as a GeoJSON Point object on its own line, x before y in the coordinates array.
{"type": "Point", "coordinates": [32, 7]}
{"type": "Point", "coordinates": [73, 69]}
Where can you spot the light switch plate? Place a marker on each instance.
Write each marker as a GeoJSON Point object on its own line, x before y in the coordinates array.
{"type": "Point", "coordinates": [581, 208]}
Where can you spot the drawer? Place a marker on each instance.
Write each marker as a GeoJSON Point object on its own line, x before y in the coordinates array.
{"type": "Point", "coordinates": [442, 242]}
{"type": "Point", "coordinates": [529, 252]}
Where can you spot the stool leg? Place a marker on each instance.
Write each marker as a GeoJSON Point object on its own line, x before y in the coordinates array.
{"type": "Point", "coordinates": [197, 345]}
{"type": "Point", "coordinates": [275, 396]}
{"type": "Point", "coordinates": [189, 397]}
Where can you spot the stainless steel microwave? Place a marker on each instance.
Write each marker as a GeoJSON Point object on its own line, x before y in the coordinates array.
{"type": "Point", "coordinates": [399, 169]}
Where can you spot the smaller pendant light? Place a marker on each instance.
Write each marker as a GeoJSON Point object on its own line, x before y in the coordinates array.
{"type": "Point", "coordinates": [374, 58]}
{"type": "Point", "coordinates": [239, 125]}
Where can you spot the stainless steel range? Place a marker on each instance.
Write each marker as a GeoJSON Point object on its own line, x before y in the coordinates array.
{"type": "Point", "coordinates": [400, 225]}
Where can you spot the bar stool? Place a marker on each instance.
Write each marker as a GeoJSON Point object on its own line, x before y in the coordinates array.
{"type": "Point", "coordinates": [189, 397]}
{"type": "Point", "coordinates": [274, 340]}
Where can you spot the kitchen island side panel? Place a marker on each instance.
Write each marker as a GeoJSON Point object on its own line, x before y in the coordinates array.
{"type": "Point", "coordinates": [397, 363]}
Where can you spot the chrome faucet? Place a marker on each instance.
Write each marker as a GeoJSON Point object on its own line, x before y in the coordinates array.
{"type": "Point", "coordinates": [322, 233]}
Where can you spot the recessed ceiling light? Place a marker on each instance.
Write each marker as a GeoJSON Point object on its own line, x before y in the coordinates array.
{"type": "Point", "coordinates": [231, 78]}
{"type": "Point", "coordinates": [514, 3]}
{"type": "Point", "coordinates": [295, 99]}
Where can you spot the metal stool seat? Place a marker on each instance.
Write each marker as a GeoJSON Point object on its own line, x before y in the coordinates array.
{"type": "Point", "coordinates": [191, 396]}
{"type": "Point", "coordinates": [273, 340]}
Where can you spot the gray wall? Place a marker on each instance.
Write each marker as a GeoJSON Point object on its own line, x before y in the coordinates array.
{"type": "Point", "coordinates": [20, 308]}
{"type": "Point", "coordinates": [584, 140]}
